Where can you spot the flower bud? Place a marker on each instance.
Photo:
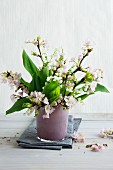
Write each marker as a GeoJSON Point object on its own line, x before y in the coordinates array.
{"type": "Point", "coordinates": [38, 38]}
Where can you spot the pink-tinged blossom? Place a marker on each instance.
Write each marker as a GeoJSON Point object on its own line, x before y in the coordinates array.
{"type": "Point", "coordinates": [70, 101]}
{"type": "Point", "coordinates": [106, 132]}
{"type": "Point", "coordinates": [45, 101]}
{"type": "Point", "coordinates": [88, 68]}
{"type": "Point", "coordinates": [72, 59]}
{"type": "Point", "coordinates": [69, 77]}
{"type": "Point", "coordinates": [16, 83]}
{"type": "Point", "coordinates": [94, 74]}
{"type": "Point", "coordinates": [101, 147]}
{"type": "Point", "coordinates": [45, 44]}
{"type": "Point", "coordinates": [90, 91]}
{"type": "Point", "coordinates": [65, 70]}
{"type": "Point", "coordinates": [103, 133]}
{"type": "Point", "coordinates": [12, 78]}
{"type": "Point", "coordinates": [17, 76]}
{"type": "Point", "coordinates": [3, 79]}
{"type": "Point", "coordinates": [13, 98]}
{"type": "Point", "coordinates": [37, 95]}
{"type": "Point", "coordinates": [97, 73]}
{"type": "Point", "coordinates": [78, 137]}
{"type": "Point", "coordinates": [94, 148]}
{"type": "Point", "coordinates": [45, 116]}
{"type": "Point", "coordinates": [89, 44]}
{"type": "Point", "coordinates": [49, 109]}
{"type": "Point", "coordinates": [81, 139]}
{"type": "Point", "coordinates": [36, 100]}
{"type": "Point", "coordinates": [80, 57]}
{"type": "Point", "coordinates": [21, 93]}
{"type": "Point", "coordinates": [68, 84]}
{"type": "Point", "coordinates": [97, 147]}
{"type": "Point", "coordinates": [25, 90]}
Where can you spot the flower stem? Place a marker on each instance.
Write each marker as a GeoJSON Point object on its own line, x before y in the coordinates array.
{"type": "Point", "coordinates": [38, 46]}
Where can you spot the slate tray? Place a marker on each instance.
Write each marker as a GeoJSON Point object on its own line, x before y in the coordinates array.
{"type": "Point", "coordinates": [29, 137]}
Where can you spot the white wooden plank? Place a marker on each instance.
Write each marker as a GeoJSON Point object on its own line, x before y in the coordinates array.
{"type": "Point", "coordinates": [84, 124]}
{"type": "Point", "coordinates": [10, 128]}
{"type": "Point", "coordinates": [9, 124]}
{"type": "Point", "coordinates": [96, 124]}
{"type": "Point", "coordinates": [93, 116]}
{"type": "Point", "coordinates": [78, 158]}
{"type": "Point", "coordinates": [84, 116]}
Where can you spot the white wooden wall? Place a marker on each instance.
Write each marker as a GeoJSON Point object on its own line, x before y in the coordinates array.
{"type": "Point", "coordinates": [66, 23]}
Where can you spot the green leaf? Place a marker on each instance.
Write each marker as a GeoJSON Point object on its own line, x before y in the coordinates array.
{"type": "Point", "coordinates": [44, 73]}
{"type": "Point", "coordinates": [50, 87]}
{"type": "Point", "coordinates": [84, 96]}
{"type": "Point", "coordinates": [63, 90]}
{"type": "Point", "coordinates": [35, 84]}
{"type": "Point", "coordinates": [52, 91]}
{"type": "Point", "coordinates": [101, 88]}
{"type": "Point", "coordinates": [50, 72]}
{"type": "Point", "coordinates": [18, 105]}
{"type": "Point", "coordinates": [24, 82]}
{"type": "Point", "coordinates": [54, 95]}
{"type": "Point", "coordinates": [28, 64]}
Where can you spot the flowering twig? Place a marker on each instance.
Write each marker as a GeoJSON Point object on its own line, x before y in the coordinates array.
{"type": "Point", "coordinates": [84, 56]}
{"type": "Point", "coordinates": [38, 46]}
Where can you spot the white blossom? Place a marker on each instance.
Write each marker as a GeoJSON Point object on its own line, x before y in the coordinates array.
{"type": "Point", "coordinates": [70, 101]}
{"type": "Point", "coordinates": [13, 98]}
{"type": "Point", "coordinates": [45, 101]}
{"type": "Point", "coordinates": [93, 85]}
{"type": "Point", "coordinates": [49, 109]}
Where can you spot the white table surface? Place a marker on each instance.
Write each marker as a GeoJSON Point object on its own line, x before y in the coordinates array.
{"type": "Point", "coordinates": [12, 157]}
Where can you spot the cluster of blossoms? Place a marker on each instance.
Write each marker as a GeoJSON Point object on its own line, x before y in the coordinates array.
{"type": "Point", "coordinates": [78, 137]}
{"type": "Point", "coordinates": [104, 133]}
{"type": "Point", "coordinates": [39, 100]}
{"type": "Point", "coordinates": [96, 147]}
{"type": "Point", "coordinates": [11, 78]}
{"type": "Point", "coordinates": [14, 81]}
{"type": "Point", "coordinates": [54, 81]}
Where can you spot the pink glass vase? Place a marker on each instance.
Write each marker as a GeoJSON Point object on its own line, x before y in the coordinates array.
{"type": "Point", "coordinates": [54, 127]}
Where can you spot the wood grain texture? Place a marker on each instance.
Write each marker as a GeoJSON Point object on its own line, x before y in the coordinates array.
{"type": "Point", "coordinates": [11, 127]}
{"type": "Point", "coordinates": [12, 157]}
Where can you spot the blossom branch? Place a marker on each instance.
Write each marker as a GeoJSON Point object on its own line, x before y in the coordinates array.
{"type": "Point", "coordinates": [79, 66]}
{"type": "Point", "coordinates": [38, 46]}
